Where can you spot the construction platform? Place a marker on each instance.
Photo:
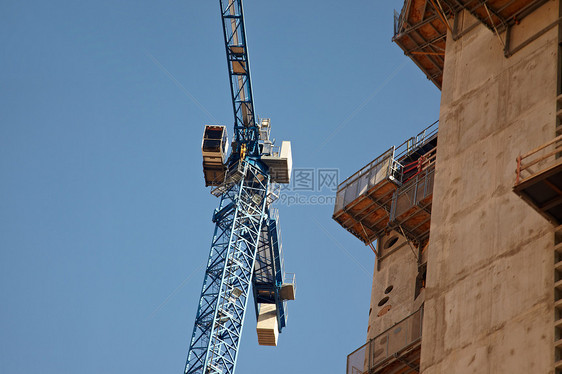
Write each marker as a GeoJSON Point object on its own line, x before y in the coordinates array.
{"type": "Point", "coordinates": [497, 15]}
{"type": "Point", "coordinates": [542, 189]}
{"type": "Point", "coordinates": [395, 351]}
{"type": "Point", "coordinates": [420, 29]}
{"type": "Point", "coordinates": [394, 191]}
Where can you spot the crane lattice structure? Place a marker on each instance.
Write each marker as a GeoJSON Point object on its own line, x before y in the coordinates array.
{"type": "Point", "coordinates": [245, 252]}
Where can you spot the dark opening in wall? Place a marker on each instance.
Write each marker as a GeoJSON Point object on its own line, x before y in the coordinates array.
{"type": "Point", "coordinates": [560, 61]}
{"type": "Point", "coordinates": [420, 279]}
{"type": "Point", "coordinates": [383, 301]}
{"type": "Point", "coordinates": [390, 242]}
{"type": "Point", "coordinates": [388, 289]}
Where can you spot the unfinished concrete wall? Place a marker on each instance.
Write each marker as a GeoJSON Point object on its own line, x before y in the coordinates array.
{"type": "Point", "coordinates": [489, 295]}
{"type": "Point", "coordinates": [394, 281]}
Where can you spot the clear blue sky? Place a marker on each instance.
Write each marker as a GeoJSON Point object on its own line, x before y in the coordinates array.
{"type": "Point", "coordinates": [104, 218]}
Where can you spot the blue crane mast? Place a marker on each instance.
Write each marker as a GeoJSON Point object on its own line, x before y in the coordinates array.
{"type": "Point", "coordinates": [246, 253]}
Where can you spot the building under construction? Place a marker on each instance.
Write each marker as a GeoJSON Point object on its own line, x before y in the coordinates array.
{"type": "Point", "coordinates": [465, 218]}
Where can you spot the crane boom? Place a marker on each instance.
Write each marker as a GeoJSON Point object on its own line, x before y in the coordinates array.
{"type": "Point", "coordinates": [246, 129]}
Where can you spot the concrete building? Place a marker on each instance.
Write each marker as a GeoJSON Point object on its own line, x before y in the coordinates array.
{"type": "Point", "coordinates": [468, 276]}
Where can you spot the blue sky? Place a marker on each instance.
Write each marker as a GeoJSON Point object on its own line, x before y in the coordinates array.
{"type": "Point", "coordinates": [105, 222]}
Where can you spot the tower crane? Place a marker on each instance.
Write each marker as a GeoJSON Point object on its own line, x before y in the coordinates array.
{"type": "Point", "coordinates": [246, 252]}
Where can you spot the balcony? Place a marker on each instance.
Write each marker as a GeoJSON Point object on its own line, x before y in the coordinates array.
{"type": "Point", "coordinates": [539, 180]}
{"type": "Point", "coordinates": [396, 350]}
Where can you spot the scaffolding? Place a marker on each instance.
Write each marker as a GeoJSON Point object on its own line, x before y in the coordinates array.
{"type": "Point", "coordinates": [421, 27]}
{"type": "Point", "coordinates": [497, 15]}
{"type": "Point", "coordinates": [394, 191]}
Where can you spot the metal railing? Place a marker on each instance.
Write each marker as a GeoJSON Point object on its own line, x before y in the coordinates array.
{"type": "Point", "coordinates": [367, 168]}
{"type": "Point", "coordinates": [400, 17]}
{"type": "Point", "coordinates": [270, 149]}
{"type": "Point", "coordinates": [415, 142]}
{"type": "Point", "coordinates": [532, 158]}
{"type": "Point", "coordinates": [292, 279]}
{"type": "Point", "coordinates": [273, 192]}
{"type": "Point", "coordinates": [390, 343]}
{"type": "Point", "coordinates": [395, 154]}
{"type": "Point", "coordinates": [415, 189]}
{"type": "Point", "coordinates": [232, 175]}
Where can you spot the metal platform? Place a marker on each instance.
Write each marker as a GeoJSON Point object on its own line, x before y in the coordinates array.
{"type": "Point", "coordinates": [231, 176]}
{"type": "Point", "coordinates": [363, 201]}
{"type": "Point", "coordinates": [394, 191]}
{"type": "Point", "coordinates": [421, 27]}
{"type": "Point", "coordinates": [542, 189]}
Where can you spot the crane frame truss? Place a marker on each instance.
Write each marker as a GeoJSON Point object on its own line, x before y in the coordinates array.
{"type": "Point", "coordinates": [269, 269]}
{"type": "Point", "coordinates": [228, 277]}
{"type": "Point", "coordinates": [245, 125]}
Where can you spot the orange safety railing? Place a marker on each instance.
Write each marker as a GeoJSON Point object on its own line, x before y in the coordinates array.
{"type": "Point", "coordinates": [419, 165]}
{"type": "Point", "coordinates": [531, 158]}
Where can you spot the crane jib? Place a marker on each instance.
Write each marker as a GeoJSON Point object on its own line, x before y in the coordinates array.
{"type": "Point", "coordinates": [246, 130]}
